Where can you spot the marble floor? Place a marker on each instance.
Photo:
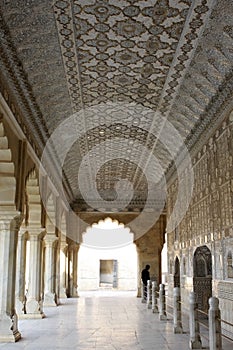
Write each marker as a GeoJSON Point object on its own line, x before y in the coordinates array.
{"type": "Point", "coordinates": [102, 320]}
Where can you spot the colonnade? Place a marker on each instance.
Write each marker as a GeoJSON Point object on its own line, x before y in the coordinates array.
{"type": "Point", "coordinates": [39, 239]}
{"type": "Point", "coordinates": [30, 276]}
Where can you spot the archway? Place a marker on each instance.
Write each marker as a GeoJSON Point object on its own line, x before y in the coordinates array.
{"type": "Point", "coordinates": [202, 277]}
{"type": "Point", "coordinates": [177, 273]}
{"type": "Point", "coordinates": [107, 258]}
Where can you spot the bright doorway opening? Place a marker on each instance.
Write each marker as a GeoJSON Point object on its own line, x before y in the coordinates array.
{"type": "Point", "coordinates": [111, 267]}
{"type": "Point", "coordinates": [108, 273]}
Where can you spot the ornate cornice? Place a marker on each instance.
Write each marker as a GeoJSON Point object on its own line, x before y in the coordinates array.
{"type": "Point", "coordinates": [209, 121]}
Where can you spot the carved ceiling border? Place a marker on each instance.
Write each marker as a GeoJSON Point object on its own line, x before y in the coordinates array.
{"type": "Point", "coordinates": [195, 24]}
{"type": "Point", "coordinates": [25, 104]}
{"type": "Point", "coordinates": [212, 118]}
{"type": "Point", "coordinates": [22, 103]}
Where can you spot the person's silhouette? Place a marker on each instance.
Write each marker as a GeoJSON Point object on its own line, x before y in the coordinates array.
{"type": "Point", "coordinates": [145, 277]}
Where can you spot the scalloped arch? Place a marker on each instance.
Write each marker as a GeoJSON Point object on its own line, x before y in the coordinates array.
{"type": "Point", "coordinates": [7, 172]}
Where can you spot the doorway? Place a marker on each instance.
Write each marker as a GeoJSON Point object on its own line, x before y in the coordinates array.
{"type": "Point", "coordinates": [108, 273]}
{"type": "Point", "coordinates": [202, 278]}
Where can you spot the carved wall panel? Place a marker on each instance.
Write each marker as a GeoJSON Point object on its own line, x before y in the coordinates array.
{"type": "Point", "coordinates": [207, 221]}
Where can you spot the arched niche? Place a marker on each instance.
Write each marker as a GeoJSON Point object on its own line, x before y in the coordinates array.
{"type": "Point", "coordinates": [202, 277]}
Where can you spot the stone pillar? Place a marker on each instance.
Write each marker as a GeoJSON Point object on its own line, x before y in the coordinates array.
{"type": "Point", "coordinates": [143, 292]}
{"type": "Point", "coordinates": [34, 307]}
{"type": "Point", "coordinates": [140, 288]}
{"type": "Point", "coordinates": [195, 339]}
{"type": "Point", "coordinates": [177, 311]}
{"type": "Point", "coordinates": [50, 298]}
{"type": "Point", "coordinates": [149, 296]}
{"type": "Point", "coordinates": [57, 269]}
{"type": "Point", "coordinates": [9, 225]}
{"type": "Point", "coordinates": [155, 309]}
{"type": "Point", "coordinates": [215, 338]}
{"type": "Point", "coordinates": [20, 292]}
{"type": "Point", "coordinates": [162, 303]}
{"type": "Point", "coordinates": [63, 269]}
{"type": "Point", "coordinates": [74, 273]}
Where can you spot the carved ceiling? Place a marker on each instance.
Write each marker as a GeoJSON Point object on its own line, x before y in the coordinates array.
{"type": "Point", "coordinates": [125, 69]}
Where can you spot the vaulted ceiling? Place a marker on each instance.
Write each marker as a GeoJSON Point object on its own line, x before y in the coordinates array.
{"type": "Point", "coordinates": [115, 89]}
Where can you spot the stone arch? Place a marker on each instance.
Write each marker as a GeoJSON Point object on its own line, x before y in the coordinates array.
{"type": "Point", "coordinates": [202, 277]}
{"type": "Point", "coordinates": [7, 172]}
{"type": "Point", "coordinates": [229, 264]}
{"type": "Point", "coordinates": [105, 239]}
{"type": "Point", "coordinates": [177, 272]}
{"type": "Point", "coordinates": [111, 264]}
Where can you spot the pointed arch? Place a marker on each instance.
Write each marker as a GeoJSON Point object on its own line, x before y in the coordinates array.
{"type": "Point", "coordinates": [202, 277]}
{"type": "Point", "coordinates": [7, 172]}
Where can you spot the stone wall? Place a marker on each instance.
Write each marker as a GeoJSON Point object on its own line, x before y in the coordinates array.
{"type": "Point", "coordinates": [89, 267]}
{"type": "Point", "coordinates": [208, 223]}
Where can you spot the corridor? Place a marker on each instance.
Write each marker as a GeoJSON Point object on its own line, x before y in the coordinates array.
{"type": "Point", "coordinates": [102, 320]}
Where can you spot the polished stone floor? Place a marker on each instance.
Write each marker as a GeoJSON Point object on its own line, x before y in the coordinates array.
{"type": "Point", "coordinates": [102, 320]}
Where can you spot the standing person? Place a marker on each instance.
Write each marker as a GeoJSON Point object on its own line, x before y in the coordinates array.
{"type": "Point", "coordinates": [145, 277]}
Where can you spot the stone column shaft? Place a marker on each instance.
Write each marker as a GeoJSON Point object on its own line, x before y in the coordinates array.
{"type": "Point", "coordinates": [34, 303]}
{"type": "Point", "coordinates": [149, 295]}
{"type": "Point", "coordinates": [215, 337]}
{"type": "Point", "coordinates": [75, 249]}
{"type": "Point", "coordinates": [63, 270]}
{"type": "Point", "coordinates": [73, 269]}
{"type": "Point", "coordinates": [195, 338]}
{"type": "Point", "coordinates": [162, 303]}
{"type": "Point", "coordinates": [20, 273]}
{"type": "Point", "coordinates": [49, 280]}
{"type": "Point", "coordinates": [9, 223]}
{"type": "Point", "coordinates": [177, 328]}
{"type": "Point", "coordinates": [154, 297]}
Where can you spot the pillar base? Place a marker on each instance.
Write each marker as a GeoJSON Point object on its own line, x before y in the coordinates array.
{"type": "Point", "coordinates": [19, 307]}
{"type": "Point", "coordinates": [63, 294]}
{"type": "Point", "coordinates": [139, 294]}
{"type": "Point", "coordinates": [50, 299]}
{"type": "Point", "coordinates": [195, 344]}
{"type": "Point", "coordinates": [9, 329]}
{"type": "Point", "coordinates": [163, 317]}
{"type": "Point", "coordinates": [33, 309]}
{"type": "Point", "coordinates": [155, 310]}
{"type": "Point", "coordinates": [75, 293]}
{"type": "Point", "coordinates": [178, 330]}
{"type": "Point", "coordinates": [32, 316]}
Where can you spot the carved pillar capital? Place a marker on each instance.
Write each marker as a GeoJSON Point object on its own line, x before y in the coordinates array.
{"type": "Point", "coordinates": [10, 219]}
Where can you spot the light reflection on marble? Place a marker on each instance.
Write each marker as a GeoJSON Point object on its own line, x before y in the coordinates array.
{"type": "Point", "coordinates": [102, 320]}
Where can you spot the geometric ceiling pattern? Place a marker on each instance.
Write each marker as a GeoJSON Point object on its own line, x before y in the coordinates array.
{"type": "Point", "coordinates": [128, 71]}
